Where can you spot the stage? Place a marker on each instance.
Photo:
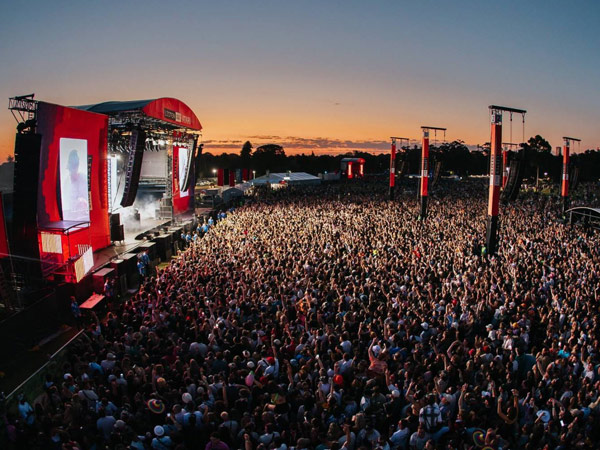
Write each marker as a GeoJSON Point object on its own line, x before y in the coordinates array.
{"type": "Point", "coordinates": [134, 233]}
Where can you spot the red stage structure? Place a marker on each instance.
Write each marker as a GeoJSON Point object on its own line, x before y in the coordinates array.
{"type": "Point", "coordinates": [564, 191]}
{"type": "Point", "coordinates": [76, 150]}
{"type": "Point", "coordinates": [495, 174]}
{"type": "Point", "coordinates": [393, 163]}
{"type": "Point", "coordinates": [352, 168]}
{"type": "Point", "coordinates": [424, 193]}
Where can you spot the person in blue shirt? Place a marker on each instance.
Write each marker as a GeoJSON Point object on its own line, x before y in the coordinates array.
{"type": "Point", "coordinates": [141, 268]}
{"type": "Point", "coordinates": [76, 312]}
{"type": "Point", "coordinates": [26, 412]}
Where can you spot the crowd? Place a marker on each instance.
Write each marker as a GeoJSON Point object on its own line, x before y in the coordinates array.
{"type": "Point", "coordinates": [334, 319]}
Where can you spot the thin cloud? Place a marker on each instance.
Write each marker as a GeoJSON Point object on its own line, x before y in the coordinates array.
{"type": "Point", "coordinates": [322, 145]}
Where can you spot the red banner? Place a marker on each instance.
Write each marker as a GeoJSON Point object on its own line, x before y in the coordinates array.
{"type": "Point", "coordinates": [565, 172]}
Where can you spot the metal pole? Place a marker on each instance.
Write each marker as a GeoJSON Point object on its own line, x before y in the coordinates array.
{"type": "Point", "coordinates": [393, 169]}
{"type": "Point", "coordinates": [424, 172]}
{"type": "Point", "coordinates": [495, 180]}
{"type": "Point", "coordinates": [565, 177]}
{"type": "Point", "coordinates": [504, 167]}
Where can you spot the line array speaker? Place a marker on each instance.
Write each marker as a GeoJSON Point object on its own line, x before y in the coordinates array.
{"type": "Point", "coordinates": [513, 184]}
{"type": "Point", "coordinates": [26, 173]}
{"type": "Point", "coordinates": [137, 143]}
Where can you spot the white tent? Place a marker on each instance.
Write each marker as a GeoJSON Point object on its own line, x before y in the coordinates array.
{"type": "Point", "coordinates": [292, 178]}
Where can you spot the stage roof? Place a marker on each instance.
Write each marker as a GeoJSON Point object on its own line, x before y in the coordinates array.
{"type": "Point", "coordinates": [166, 109]}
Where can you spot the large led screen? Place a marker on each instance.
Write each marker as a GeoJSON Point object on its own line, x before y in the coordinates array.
{"type": "Point", "coordinates": [183, 162]}
{"type": "Point", "coordinates": [74, 190]}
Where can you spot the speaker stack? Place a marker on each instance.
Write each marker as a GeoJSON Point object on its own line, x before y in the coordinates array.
{"type": "Point", "coordinates": [24, 224]}
{"type": "Point", "coordinates": [137, 144]}
{"type": "Point", "coordinates": [176, 239]}
{"type": "Point", "coordinates": [131, 261]}
{"type": "Point", "coordinates": [117, 233]}
{"type": "Point", "coordinates": [120, 271]}
{"type": "Point", "coordinates": [99, 278]}
{"type": "Point", "coordinates": [164, 246]}
{"type": "Point", "coordinates": [150, 247]}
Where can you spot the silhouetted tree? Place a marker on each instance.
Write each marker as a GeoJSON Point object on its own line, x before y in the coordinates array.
{"type": "Point", "coordinates": [538, 152]}
{"type": "Point", "coordinates": [269, 157]}
{"type": "Point", "coordinates": [246, 153]}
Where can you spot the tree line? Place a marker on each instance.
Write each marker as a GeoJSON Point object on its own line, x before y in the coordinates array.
{"type": "Point", "coordinates": [456, 158]}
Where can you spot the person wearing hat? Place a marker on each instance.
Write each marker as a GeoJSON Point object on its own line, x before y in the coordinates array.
{"type": "Point", "coordinates": [378, 365]}
{"type": "Point", "coordinates": [161, 441]}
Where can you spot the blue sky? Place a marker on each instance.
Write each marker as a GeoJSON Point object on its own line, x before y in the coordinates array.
{"type": "Point", "coordinates": [308, 71]}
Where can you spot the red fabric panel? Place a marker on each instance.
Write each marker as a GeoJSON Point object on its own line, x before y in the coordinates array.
{"type": "Point", "coordinates": [56, 122]}
{"type": "Point", "coordinates": [180, 204]}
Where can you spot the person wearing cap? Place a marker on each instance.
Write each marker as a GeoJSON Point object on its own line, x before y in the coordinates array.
{"type": "Point", "coordinates": [378, 365]}
{"type": "Point", "coordinates": [161, 441]}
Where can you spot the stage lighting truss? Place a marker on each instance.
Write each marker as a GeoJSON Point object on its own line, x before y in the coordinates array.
{"type": "Point", "coordinates": [160, 135]}
{"type": "Point", "coordinates": [24, 110]}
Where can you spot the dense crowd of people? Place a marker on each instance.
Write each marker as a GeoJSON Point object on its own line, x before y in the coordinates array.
{"type": "Point", "coordinates": [332, 318]}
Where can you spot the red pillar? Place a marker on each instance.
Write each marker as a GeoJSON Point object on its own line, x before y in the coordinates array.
{"type": "Point", "coordinates": [349, 172]}
{"type": "Point", "coordinates": [424, 172]}
{"type": "Point", "coordinates": [504, 167]}
{"type": "Point", "coordinates": [495, 180]}
{"type": "Point", "coordinates": [393, 169]}
{"type": "Point", "coordinates": [220, 177]}
{"type": "Point", "coordinates": [564, 192]}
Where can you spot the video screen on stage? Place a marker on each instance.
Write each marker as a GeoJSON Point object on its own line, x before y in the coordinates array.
{"type": "Point", "coordinates": [74, 189]}
{"type": "Point", "coordinates": [183, 162]}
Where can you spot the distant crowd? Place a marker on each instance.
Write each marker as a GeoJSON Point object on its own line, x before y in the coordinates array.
{"type": "Point", "coordinates": [331, 318]}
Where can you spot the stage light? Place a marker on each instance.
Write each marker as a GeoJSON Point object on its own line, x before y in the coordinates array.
{"type": "Point", "coordinates": [214, 171]}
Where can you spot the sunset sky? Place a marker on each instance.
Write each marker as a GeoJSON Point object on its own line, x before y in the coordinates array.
{"type": "Point", "coordinates": [323, 76]}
